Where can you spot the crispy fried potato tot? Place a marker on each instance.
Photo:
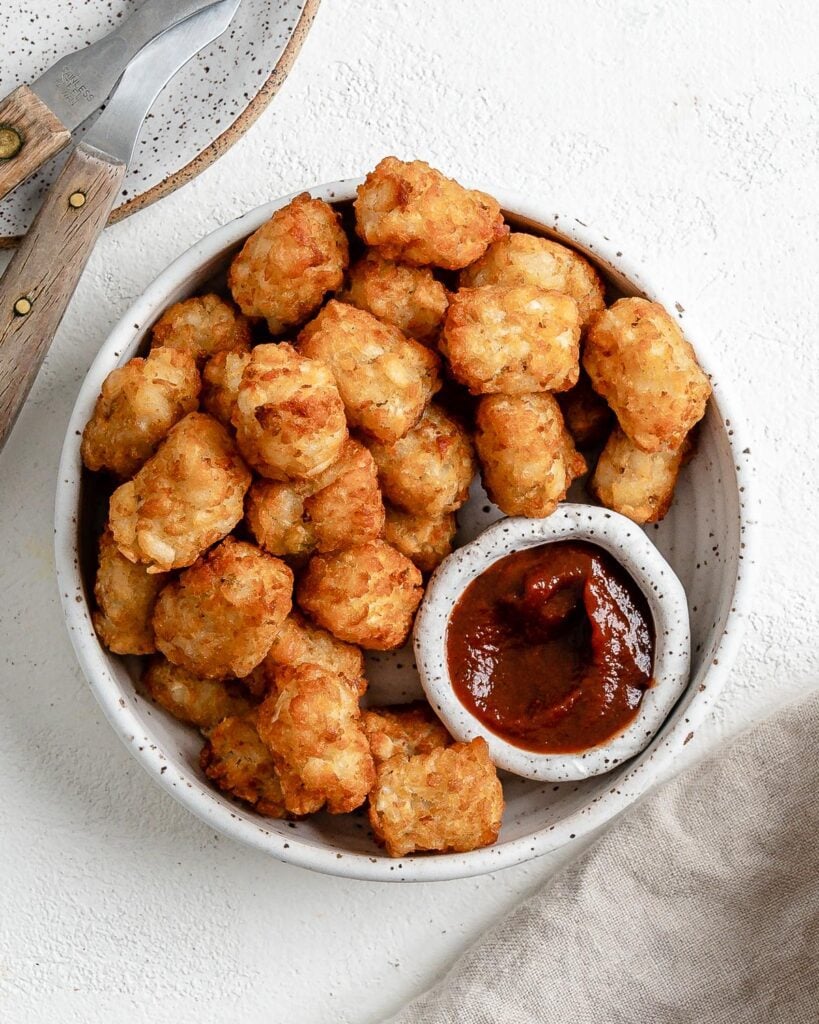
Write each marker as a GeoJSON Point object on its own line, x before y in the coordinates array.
{"type": "Point", "coordinates": [407, 297]}
{"type": "Point", "coordinates": [639, 361]}
{"type": "Point", "coordinates": [312, 726]}
{"type": "Point", "coordinates": [285, 269]}
{"type": "Point", "coordinates": [411, 212]}
{"type": "Point", "coordinates": [200, 702]}
{"type": "Point", "coordinates": [277, 519]}
{"type": "Point", "coordinates": [385, 379]}
{"type": "Point", "coordinates": [125, 595]}
{"type": "Point", "coordinates": [236, 759]}
{"type": "Point", "coordinates": [512, 339]}
{"type": "Point", "coordinates": [138, 405]}
{"type": "Point", "coordinates": [347, 508]}
{"type": "Point", "coordinates": [185, 498]}
{"type": "Point", "coordinates": [403, 730]}
{"type": "Point", "coordinates": [522, 259]}
{"type": "Point", "coordinates": [220, 384]}
{"type": "Point", "coordinates": [301, 642]}
{"type": "Point", "coordinates": [528, 459]}
{"type": "Point", "coordinates": [219, 618]}
{"type": "Point", "coordinates": [202, 326]}
{"type": "Point", "coordinates": [289, 417]}
{"type": "Point", "coordinates": [449, 799]}
{"type": "Point", "coordinates": [341, 507]}
{"type": "Point", "coordinates": [366, 595]}
{"type": "Point", "coordinates": [425, 540]}
{"type": "Point", "coordinates": [635, 483]}
{"type": "Point", "coordinates": [587, 416]}
{"type": "Point", "coordinates": [429, 470]}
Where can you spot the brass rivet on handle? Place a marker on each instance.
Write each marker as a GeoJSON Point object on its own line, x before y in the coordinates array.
{"type": "Point", "coordinates": [76, 200]}
{"type": "Point", "coordinates": [11, 142]}
{"type": "Point", "coordinates": [22, 306]}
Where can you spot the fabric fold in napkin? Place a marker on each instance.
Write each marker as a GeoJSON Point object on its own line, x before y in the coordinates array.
{"type": "Point", "coordinates": [699, 905]}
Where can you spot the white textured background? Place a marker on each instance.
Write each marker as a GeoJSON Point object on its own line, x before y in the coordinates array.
{"type": "Point", "coordinates": [688, 131]}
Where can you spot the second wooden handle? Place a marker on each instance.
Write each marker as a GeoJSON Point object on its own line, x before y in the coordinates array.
{"type": "Point", "coordinates": [43, 273]}
{"type": "Point", "coordinates": [30, 134]}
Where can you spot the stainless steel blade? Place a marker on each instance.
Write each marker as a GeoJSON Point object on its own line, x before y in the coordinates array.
{"type": "Point", "coordinates": [79, 83]}
{"type": "Point", "coordinates": [116, 129]}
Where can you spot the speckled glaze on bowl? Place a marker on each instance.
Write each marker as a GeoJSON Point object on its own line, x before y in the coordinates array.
{"type": "Point", "coordinates": [649, 570]}
{"type": "Point", "coordinates": [706, 538]}
{"type": "Point", "coordinates": [208, 105]}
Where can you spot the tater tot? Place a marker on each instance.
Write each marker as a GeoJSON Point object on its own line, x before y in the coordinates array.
{"type": "Point", "coordinates": [425, 540]}
{"type": "Point", "coordinates": [236, 759]}
{"type": "Point", "coordinates": [125, 595]}
{"type": "Point", "coordinates": [522, 259]}
{"type": "Point", "coordinates": [366, 595]}
{"type": "Point", "coordinates": [219, 618]}
{"type": "Point", "coordinates": [289, 417]}
{"type": "Point", "coordinates": [185, 498]}
{"type": "Point", "coordinates": [341, 507]}
{"type": "Point", "coordinates": [449, 800]}
{"type": "Point", "coordinates": [138, 404]}
{"type": "Point", "coordinates": [300, 641]}
{"type": "Point", "coordinates": [403, 730]}
{"type": "Point", "coordinates": [385, 379]}
{"type": "Point", "coordinates": [347, 507]}
{"type": "Point", "coordinates": [285, 269]}
{"type": "Point", "coordinates": [528, 459]}
{"type": "Point", "coordinates": [411, 212]}
{"type": "Point", "coordinates": [220, 384]}
{"type": "Point", "coordinates": [276, 517]}
{"type": "Point", "coordinates": [202, 326]}
{"type": "Point", "coordinates": [586, 414]}
{"type": "Point", "coordinates": [636, 483]}
{"type": "Point", "coordinates": [429, 470]}
{"type": "Point", "coordinates": [312, 726]}
{"type": "Point", "coordinates": [512, 339]}
{"type": "Point", "coordinates": [200, 702]}
{"type": "Point", "coordinates": [639, 361]}
{"type": "Point", "coordinates": [409, 298]}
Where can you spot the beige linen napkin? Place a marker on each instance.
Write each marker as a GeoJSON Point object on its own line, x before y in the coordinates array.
{"type": "Point", "coordinates": [699, 905]}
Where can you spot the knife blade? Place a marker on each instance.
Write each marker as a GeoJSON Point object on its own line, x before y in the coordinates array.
{"type": "Point", "coordinates": [45, 269]}
{"type": "Point", "coordinates": [116, 130]}
{"type": "Point", "coordinates": [80, 82]}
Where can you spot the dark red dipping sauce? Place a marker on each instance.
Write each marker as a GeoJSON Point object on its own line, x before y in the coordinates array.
{"type": "Point", "coordinates": [552, 648]}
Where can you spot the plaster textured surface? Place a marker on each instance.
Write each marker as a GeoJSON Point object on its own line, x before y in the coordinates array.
{"type": "Point", "coordinates": [688, 132]}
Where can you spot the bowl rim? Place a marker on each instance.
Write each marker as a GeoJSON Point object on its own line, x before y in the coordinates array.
{"type": "Point", "coordinates": [654, 577]}
{"type": "Point", "coordinates": [216, 810]}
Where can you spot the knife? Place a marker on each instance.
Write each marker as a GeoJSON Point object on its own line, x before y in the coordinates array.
{"type": "Point", "coordinates": [45, 269]}
{"type": "Point", "coordinates": [36, 120]}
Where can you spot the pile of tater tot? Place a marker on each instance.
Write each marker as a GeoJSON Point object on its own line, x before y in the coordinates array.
{"type": "Point", "coordinates": [290, 456]}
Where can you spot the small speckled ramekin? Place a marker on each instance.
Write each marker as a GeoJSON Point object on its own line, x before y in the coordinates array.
{"type": "Point", "coordinates": [649, 570]}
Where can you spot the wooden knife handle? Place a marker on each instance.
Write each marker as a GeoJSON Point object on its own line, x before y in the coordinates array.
{"type": "Point", "coordinates": [45, 269]}
{"type": "Point", "coordinates": [30, 134]}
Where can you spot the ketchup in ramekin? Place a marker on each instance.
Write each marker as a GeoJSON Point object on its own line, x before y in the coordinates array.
{"type": "Point", "coordinates": [552, 647]}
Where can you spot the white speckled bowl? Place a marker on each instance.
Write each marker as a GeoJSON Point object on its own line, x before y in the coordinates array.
{"type": "Point", "coordinates": [649, 570]}
{"type": "Point", "coordinates": [705, 538]}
